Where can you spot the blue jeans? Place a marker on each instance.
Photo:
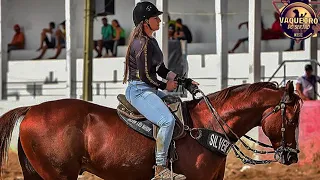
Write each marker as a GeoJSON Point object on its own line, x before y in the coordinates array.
{"type": "Point", "coordinates": [147, 100]}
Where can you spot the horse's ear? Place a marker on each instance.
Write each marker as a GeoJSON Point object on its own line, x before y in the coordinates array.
{"type": "Point", "coordinates": [290, 88]}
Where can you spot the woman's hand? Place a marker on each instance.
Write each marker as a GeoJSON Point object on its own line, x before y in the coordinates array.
{"type": "Point", "coordinates": [171, 85]}
{"type": "Point", "coordinates": [195, 83]}
{"type": "Point", "coordinates": [191, 86]}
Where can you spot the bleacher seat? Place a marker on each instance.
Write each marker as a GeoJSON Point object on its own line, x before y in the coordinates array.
{"type": "Point", "coordinates": [266, 46]}
{"type": "Point", "coordinates": [30, 54]}
{"type": "Point", "coordinates": [192, 49]}
{"type": "Point", "coordinates": [122, 51]}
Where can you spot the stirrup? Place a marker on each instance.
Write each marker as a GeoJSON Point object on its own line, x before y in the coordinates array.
{"type": "Point", "coordinates": [166, 174]}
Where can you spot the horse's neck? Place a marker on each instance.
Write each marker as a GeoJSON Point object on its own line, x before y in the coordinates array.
{"type": "Point", "coordinates": [240, 115]}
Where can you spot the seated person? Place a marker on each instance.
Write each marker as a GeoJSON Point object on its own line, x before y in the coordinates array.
{"type": "Point", "coordinates": [266, 34]}
{"type": "Point", "coordinates": [106, 32]}
{"type": "Point", "coordinates": [61, 39]}
{"type": "Point", "coordinates": [171, 22]}
{"type": "Point", "coordinates": [171, 32]}
{"type": "Point", "coordinates": [18, 40]}
{"type": "Point", "coordinates": [179, 34]}
{"type": "Point", "coordinates": [275, 32]}
{"type": "Point", "coordinates": [182, 31]}
{"type": "Point", "coordinates": [119, 36]}
{"type": "Point", "coordinates": [49, 44]}
{"type": "Point", "coordinates": [292, 43]}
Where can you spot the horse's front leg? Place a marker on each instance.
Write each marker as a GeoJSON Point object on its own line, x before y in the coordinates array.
{"type": "Point", "coordinates": [221, 171]}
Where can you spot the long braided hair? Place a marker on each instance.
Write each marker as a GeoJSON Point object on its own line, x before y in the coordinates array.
{"type": "Point", "coordinates": [136, 33]}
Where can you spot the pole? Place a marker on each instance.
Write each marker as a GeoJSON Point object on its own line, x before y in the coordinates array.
{"type": "Point", "coordinates": [255, 40]}
{"type": "Point", "coordinates": [71, 50]}
{"type": "Point", "coordinates": [162, 33]}
{"type": "Point", "coordinates": [221, 9]}
{"type": "Point", "coordinates": [3, 50]}
{"type": "Point", "coordinates": [88, 44]}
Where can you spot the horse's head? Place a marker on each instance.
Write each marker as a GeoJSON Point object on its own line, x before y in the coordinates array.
{"type": "Point", "coordinates": [281, 125]}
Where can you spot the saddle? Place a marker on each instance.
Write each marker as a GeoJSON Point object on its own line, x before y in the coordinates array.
{"type": "Point", "coordinates": [132, 117]}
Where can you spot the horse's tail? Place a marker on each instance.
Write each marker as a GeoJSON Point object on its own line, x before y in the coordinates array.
{"type": "Point", "coordinates": [7, 124]}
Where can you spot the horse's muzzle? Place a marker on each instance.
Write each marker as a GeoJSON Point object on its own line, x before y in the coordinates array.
{"type": "Point", "coordinates": [289, 158]}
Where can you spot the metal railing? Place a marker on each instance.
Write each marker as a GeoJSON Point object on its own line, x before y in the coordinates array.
{"type": "Point", "coordinates": [283, 64]}
{"type": "Point", "coordinates": [36, 88]}
{"type": "Point", "coordinates": [313, 62]}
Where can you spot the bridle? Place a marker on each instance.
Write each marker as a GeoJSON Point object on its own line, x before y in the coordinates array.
{"type": "Point", "coordinates": [238, 153]}
{"type": "Point", "coordinates": [282, 107]}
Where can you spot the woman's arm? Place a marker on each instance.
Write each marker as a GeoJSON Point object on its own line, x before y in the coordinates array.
{"type": "Point", "coordinates": [165, 73]}
{"type": "Point", "coordinates": [118, 32]}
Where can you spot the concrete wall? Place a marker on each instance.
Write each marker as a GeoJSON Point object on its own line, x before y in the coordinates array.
{"type": "Point", "coordinates": [34, 15]}
{"type": "Point", "coordinates": [192, 49]}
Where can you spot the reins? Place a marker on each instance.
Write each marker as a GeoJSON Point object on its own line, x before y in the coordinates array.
{"type": "Point", "coordinates": [238, 153]}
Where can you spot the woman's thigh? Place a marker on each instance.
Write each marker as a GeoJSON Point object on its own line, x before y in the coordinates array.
{"type": "Point", "coordinates": [148, 103]}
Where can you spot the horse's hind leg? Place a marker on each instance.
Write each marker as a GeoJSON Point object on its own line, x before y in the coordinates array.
{"type": "Point", "coordinates": [28, 171]}
{"type": "Point", "coordinates": [52, 161]}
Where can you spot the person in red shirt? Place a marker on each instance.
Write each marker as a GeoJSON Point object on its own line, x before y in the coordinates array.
{"type": "Point", "coordinates": [275, 32]}
{"type": "Point", "coordinates": [17, 40]}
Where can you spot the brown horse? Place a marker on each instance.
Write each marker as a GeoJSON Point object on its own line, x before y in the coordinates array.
{"type": "Point", "coordinates": [61, 138]}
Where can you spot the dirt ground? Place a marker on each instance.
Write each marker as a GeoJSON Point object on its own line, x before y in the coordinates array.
{"type": "Point", "coordinates": [235, 171]}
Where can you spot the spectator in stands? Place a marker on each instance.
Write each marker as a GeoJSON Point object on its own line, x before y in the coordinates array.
{"type": "Point", "coordinates": [242, 40]}
{"type": "Point", "coordinates": [119, 38]}
{"type": "Point", "coordinates": [106, 32]}
{"type": "Point", "coordinates": [276, 31]}
{"type": "Point", "coordinates": [18, 39]}
{"type": "Point", "coordinates": [50, 42]}
{"type": "Point", "coordinates": [171, 22]}
{"type": "Point", "coordinates": [292, 42]}
{"type": "Point", "coordinates": [61, 39]}
{"type": "Point", "coordinates": [306, 84]}
{"type": "Point", "coordinates": [171, 32]}
{"type": "Point", "coordinates": [182, 31]}
{"type": "Point", "coordinates": [266, 34]}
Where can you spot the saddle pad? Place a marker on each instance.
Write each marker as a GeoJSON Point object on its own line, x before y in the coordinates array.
{"type": "Point", "coordinates": [143, 126]}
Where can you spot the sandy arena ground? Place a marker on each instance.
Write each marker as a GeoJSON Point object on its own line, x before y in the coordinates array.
{"type": "Point", "coordinates": [235, 171]}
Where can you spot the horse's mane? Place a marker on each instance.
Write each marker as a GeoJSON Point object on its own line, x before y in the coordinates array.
{"type": "Point", "coordinates": [248, 89]}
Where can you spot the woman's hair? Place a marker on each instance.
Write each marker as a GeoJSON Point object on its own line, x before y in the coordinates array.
{"type": "Point", "coordinates": [116, 21]}
{"type": "Point", "coordinates": [137, 33]}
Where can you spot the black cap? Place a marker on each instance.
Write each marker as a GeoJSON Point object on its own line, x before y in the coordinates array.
{"type": "Point", "coordinates": [144, 10]}
{"type": "Point", "coordinates": [308, 67]}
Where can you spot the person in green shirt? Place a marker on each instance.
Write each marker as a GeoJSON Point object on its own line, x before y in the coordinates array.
{"type": "Point", "coordinates": [171, 23]}
{"type": "Point", "coordinates": [107, 36]}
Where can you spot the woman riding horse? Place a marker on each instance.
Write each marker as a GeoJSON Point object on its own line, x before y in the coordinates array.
{"type": "Point", "coordinates": [144, 60]}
